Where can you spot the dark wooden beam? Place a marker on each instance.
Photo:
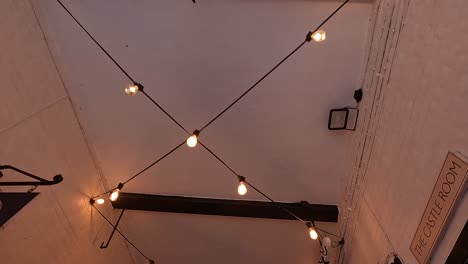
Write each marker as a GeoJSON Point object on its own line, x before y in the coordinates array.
{"type": "Point", "coordinates": [225, 207]}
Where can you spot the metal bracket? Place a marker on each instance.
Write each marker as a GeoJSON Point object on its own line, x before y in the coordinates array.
{"type": "Point", "coordinates": [40, 181]}
{"type": "Point", "coordinates": [113, 231]}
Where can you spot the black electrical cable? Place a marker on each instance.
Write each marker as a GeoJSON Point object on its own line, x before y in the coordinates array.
{"type": "Point", "coordinates": [145, 169]}
{"type": "Point", "coordinates": [339, 256]}
{"type": "Point", "coordinates": [154, 163]}
{"type": "Point", "coordinates": [248, 183]}
{"type": "Point", "coordinates": [165, 112]}
{"type": "Point", "coordinates": [218, 158]}
{"type": "Point", "coordinates": [329, 233]}
{"type": "Point", "coordinates": [128, 75]}
{"type": "Point", "coordinates": [263, 194]}
{"type": "Point", "coordinates": [275, 203]}
{"type": "Point", "coordinates": [97, 43]}
{"type": "Point", "coordinates": [330, 16]}
{"type": "Point", "coordinates": [128, 240]}
{"type": "Point", "coordinates": [253, 86]}
{"type": "Point", "coordinates": [118, 65]}
{"type": "Point", "coordinates": [274, 68]}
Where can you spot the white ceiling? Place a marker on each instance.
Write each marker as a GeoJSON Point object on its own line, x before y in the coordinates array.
{"type": "Point", "coordinates": [195, 60]}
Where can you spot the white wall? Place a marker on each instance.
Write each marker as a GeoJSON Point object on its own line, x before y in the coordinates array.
{"type": "Point", "coordinates": [414, 112]}
{"type": "Point", "coordinates": [39, 133]}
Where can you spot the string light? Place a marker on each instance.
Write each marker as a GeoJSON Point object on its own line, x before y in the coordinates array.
{"type": "Point", "coordinates": [114, 195]}
{"type": "Point", "coordinates": [96, 200]}
{"type": "Point", "coordinates": [319, 36]}
{"type": "Point", "coordinates": [312, 232]}
{"type": "Point", "coordinates": [133, 89]}
{"type": "Point", "coordinates": [193, 139]}
{"type": "Point", "coordinates": [242, 189]}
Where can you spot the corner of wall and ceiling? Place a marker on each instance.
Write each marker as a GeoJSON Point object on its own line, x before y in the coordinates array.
{"type": "Point", "coordinates": [386, 26]}
{"type": "Point", "coordinates": [51, 49]}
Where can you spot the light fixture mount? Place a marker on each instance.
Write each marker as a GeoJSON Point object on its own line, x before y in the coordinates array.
{"type": "Point", "coordinates": [39, 181]}
{"type": "Point", "coordinates": [139, 85]}
{"type": "Point", "coordinates": [358, 95]}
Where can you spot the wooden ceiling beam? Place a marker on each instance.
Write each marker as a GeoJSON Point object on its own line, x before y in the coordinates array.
{"type": "Point", "coordinates": [225, 207]}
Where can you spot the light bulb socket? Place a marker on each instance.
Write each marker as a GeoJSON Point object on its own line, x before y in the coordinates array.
{"type": "Point", "coordinates": [241, 178]}
{"type": "Point", "coordinates": [309, 36]}
{"type": "Point", "coordinates": [310, 225]}
{"type": "Point", "coordinates": [120, 186]}
{"type": "Point", "coordinates": [341, 242]}
{"type": "Point", "coordinates": [196, 133]}
{"type": "Point", "coordinates": [358, 95]}
{"type": "Point", "coordinates": [92, 201]}
{"type": "Point", "coordinates": [139, 85]}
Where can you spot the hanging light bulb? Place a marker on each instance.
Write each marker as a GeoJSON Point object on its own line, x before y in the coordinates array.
{"type": "Point", "coordinates": [133, 89]}
{"type": "Point", "coordinates": [319, 36]}
{"type": "Point", "coordinates": [96, 200]}
{"type": "Point", "coordinates": [114, 195]}
{"type": "Point", "coordinates": [193, 139]}
{"type": "Point", "coordinates": [242, 189]}
{"type": "Point", "coordinates": [312, 232]}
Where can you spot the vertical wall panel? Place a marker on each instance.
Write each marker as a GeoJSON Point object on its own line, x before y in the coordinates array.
{"type": "Point", "coordinates": [40, 134]}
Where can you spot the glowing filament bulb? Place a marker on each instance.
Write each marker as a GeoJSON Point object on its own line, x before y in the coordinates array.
{"type": "Point", "coordinates": [114, 195]}
{"type": "Point", "coordinates": [133, 89]}
{"type": "Point", "coordinates": [319, 36]}
{"type": "Point", "coordinates": [313, 234]}
{"type": "Point", "coordinates": [242, 189]}
{"type": "Point", "coordinates": [193, 139]}
{"type": "Point", "coordinates": [100, 201]}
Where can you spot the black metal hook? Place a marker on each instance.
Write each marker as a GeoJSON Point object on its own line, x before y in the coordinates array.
{"type": "Point", "coordinates": [113, 231]}
{"type": "Point", "coordinates": [40, 181]}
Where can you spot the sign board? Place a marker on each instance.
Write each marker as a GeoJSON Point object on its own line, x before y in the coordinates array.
{"type": "Point", "coordinates": [11, 203]}
{"type": "Point", "coordinates": [450, 183]}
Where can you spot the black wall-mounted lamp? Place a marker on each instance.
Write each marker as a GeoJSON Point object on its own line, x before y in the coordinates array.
{"type": "Point", "coordinates": [343, 118]}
